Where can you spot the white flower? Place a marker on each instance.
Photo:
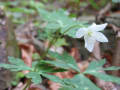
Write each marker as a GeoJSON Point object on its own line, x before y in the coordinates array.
{"type": "Point", "coordinates": [91, 34]}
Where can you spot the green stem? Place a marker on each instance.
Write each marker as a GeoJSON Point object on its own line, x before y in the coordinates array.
{"type": "Point", "coordinates": [51, 43]}
{"type": "Point", "coordinates": [54, 40]}
{"type": "Point", "coordinates": [49, 46]}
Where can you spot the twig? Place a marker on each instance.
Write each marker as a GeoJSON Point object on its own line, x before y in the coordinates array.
{"type": "Point", "coordinates": [103, 11]}
{"type": "Point", "coordinates": [114, 27]}
{"type": "Point", "coordinates": [96, 51]}
{"type": "Point", "coordinates": [116, 58]}
{"type": "Point", "coordinates": [113, 17]}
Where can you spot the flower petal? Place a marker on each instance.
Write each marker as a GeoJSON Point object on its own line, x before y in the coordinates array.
{"type": "Point", "coordinates": [100, 37]}
{"type": "Point", "coordinates": [81, 32]}
{"type": "Point", "coordinates": [89, 43]}
{"type": "Point", "coordinates": [95, 27]}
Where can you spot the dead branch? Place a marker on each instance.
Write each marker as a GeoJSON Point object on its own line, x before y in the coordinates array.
{"type": "Point", "coordinates": [116, 58]}
{"type": "Point", "coordinates": [103, 11]}
{"type": "Point", "coordinates": [24, 35]}
{"type": "Point", "coordinates": [96, 53]}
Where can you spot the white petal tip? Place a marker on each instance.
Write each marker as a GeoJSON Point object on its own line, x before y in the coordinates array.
{"type": "Point", "coordinates": [105, 40]}
{"type": "Point", "coordinates": [77, 35]}
{"type": "Point", "coordinates": [106, 24]}
{"type": "Point", "coordinates": [90, 50]}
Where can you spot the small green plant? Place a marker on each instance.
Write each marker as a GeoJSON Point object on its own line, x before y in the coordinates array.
{"type": "Point", "coordinates": [58, 26]}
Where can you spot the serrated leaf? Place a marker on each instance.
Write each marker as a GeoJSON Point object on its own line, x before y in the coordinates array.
{"type": "Point", "coordinates": [15, 61]}
{"type": "Point", "coordinates": [69, 88]}
{"type": "Point", "coordinates": [80, 82]}
{"type": "Point", "coordinates": [36, 56]}
{"type": "Point", "coordinates": [21, 10]}
{"type": "Point", "coordinates": [59, 19]}
{"type": "Point", "coordinates": [65, 60]}
{"type": "Point", "coordinates": [53, 78]}
{"type": "Point", "coordinates": [61, 42]}
{"type": "Point", "coordinates": [35, 4]}
{"type": "Point", "coordinates": [35, 76]}
{"type": "Point", "coordinates": [45, 68]}
{"type": "Point", "coordinates": [9, 3]}
{"type": "Point", "coordinates": [111, 68]}
{"type": "Point", "coordinates": [57, 63]}
{"type": "Point", "coordinates": [15, 64]}
{"type": "Point", "coordinates": [106, 77]}
{"type": "Point", "coordinates": [95, 69]}
{"type": "Point", "coordinates": [42, 35]}
{"type": "Point", "coordinates": [95, 66]}
{"type": "Point", "coordinates": [52, 26]}
{"type": "Point", "coordinates": [70, 29]}
{"type": "Point", "coordinates": [49, 69]}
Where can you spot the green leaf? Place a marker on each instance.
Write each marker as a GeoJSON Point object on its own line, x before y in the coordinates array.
{"type": "Point", "coordinates": [45, 68]}
{"type": "Point", "coordinates": [15, 3]}
{"type": "Point", "coordinates": [17, 78]}
{"type": "Point", "coordinates": [111, 68]}
{"type": "Point", "coordinates": [116, 1]}
{"type": "Point", "coordinates": [58, 19]}
{"type": "Point", "coordinates": [80, 82]}
{"type": "Point", "coordinates": [34, 63]}
{"type": "Point", "coordinates": [35, 76]}
{"type": "Point", "coordinates": [95, 69]}
{"type": "Point", "coordinates": [35, 4]}
{"type": "Point", "coordinates": [15, 64]}
{"type": "Point", "coordinates": [52, 26]}
{"type": "Point", "coordinates": [57, 63]}
{"type": "Point", "coordinates": [42, 35]}
{"type": "Point", "coordinates": [36, 56]}
{"type": "Point", "coordinates": [53, 78]}
{"type": "Point", "coordinates": [19, 75]}
{"type": "Point", "coordinates": [95, 66]}
{"type": "Point", "coordinates": [106, 77]}
{"type": "Point", "coordinates": [65, 60]}
{"type": "Point", "coordinates": [21, 10]}
{"type": "Point", "coordinates": [69, 88]}
{"type": "Point", "coordinates": [61, 42]}
{"type": "Point", "coordinates": [94, 4]}
{"type": "Point", "coordinates": [70, 29]}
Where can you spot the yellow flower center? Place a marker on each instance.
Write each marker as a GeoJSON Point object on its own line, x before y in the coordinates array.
{"type": "Point", "coordinates": [89, 33]}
